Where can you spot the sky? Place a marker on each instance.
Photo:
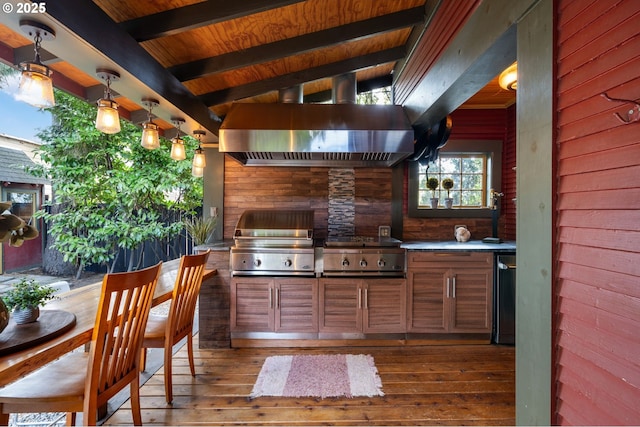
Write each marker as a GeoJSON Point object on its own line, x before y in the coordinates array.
{"type": "Point", "coordinates": [18, 118]}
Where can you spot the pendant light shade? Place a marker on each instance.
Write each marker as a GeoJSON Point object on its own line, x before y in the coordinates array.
{"type": "Point", "coordinates": [107, 119]}
{"type": "Point", "coordinates": [177, 144]}
{"type": "Point", "coordinates": [199, 161]}
{"type": "Point", "coordinates": [197, 172]}
{"type": "Point", "coordinates": [177, 149]}
{"type": "Point", "coordinates": [508, 79]}
{"type": "Point", "coordinates": [150, 134]}
{"type": "Point", "coordinates": [36, 86]}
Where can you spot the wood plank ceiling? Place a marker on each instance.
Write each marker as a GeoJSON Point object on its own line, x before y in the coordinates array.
{"type": "Point", "coordinates": [198, 57]}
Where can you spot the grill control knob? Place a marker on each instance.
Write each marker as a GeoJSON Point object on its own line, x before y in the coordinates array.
{"type": "Point", "coordinates": [287, 263]}
{"type": "Point", "coordinates": [363, 263]}
{"type": "Point", "coordinates": [345, 262]}
{"type": "Point", "coordinates": [257, 262]}
{"type": "Point", "coordinates": [381, 263]}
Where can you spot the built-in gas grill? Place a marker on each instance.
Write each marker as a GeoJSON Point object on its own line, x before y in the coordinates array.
{"type": "Point", "coordinates": [273, 242]}
{"type": "Point", "coordinates": [363, 256]}
{"type": "Point", "coordinates": [281, 243]}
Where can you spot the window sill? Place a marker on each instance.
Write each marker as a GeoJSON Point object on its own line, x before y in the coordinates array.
{"type": "Point", "coordinates": [450, 213]}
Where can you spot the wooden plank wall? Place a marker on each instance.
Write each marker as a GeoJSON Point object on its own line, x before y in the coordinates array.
{"type": "Point", "coordinates": [307, 188]}
{"type": "Point", "coordinates": [304, 188]}
{"type": "Point", "coordinates": [598, 203]}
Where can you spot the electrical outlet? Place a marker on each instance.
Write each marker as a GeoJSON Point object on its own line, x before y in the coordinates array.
{"type": "Point", "coordinates": [384, 231]}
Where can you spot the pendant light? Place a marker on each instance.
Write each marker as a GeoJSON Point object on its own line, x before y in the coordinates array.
{"type": "Point", "coordinates": [197, 172]}
{"type": "Point", "coordinates": [177, 144]}
{"type": "Point", "coordinates": [107, 119]}
{"type": "Point", "coordinates": [150, 135]}
{"type": "Point", "coordinates": [199, 161]}
{"type": "Point", "coordinates": [36, 86]}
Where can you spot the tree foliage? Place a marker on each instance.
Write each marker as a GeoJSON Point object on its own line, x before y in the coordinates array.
{"type": "Point", "coordinates": [112, 189]}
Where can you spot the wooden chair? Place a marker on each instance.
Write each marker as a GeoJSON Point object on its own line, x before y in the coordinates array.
{"type": "Point", "coordinates": [166, 331]}
{"type": "Point", "coordinates": [85, 381]}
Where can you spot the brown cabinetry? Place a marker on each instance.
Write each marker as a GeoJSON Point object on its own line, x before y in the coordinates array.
{"type": "Point", "coordinates": [449, 292]}
{"type": "Point", "coordinates": [274, 304]}
{"type": "Point", "coordinates": [370, 305]}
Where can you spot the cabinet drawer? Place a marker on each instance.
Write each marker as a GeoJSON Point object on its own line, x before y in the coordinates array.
{"type": "Point", "coordinates": [419, 259]}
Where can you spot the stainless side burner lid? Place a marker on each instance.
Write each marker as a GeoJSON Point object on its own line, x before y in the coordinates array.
{"type": "Point", "coordinates": [273, 227]}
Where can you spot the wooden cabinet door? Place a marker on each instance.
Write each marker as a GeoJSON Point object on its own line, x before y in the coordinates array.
{"type": "Point", "coordinates": [296, 305]}
{"type": "Point", "coordinates": [427, 300]}
{"type": "Point", "coordinates": [471, 300]}
{"type": "Point", "coordinates": [384, 305]}
{"type": "Point", "coordinates": [340, 305]}
{"type": "Point", "coordinates": [252, 304]}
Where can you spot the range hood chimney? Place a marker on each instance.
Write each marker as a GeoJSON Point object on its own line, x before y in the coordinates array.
{"type": "Point", "coordinates": [342, 134]}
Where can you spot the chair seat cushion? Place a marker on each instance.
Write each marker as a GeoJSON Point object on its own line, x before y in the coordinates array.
{"type": "Point", "coordinates": [62, 380]}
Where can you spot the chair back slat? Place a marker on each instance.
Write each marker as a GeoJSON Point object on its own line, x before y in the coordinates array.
{"type": "Point", "coordinates": [185, 295]}
{"type": "Point", "coordinates": [117, 337]}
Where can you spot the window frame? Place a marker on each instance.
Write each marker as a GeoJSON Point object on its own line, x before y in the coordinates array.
{"type": "Point", "coordinates": [35, 202]}
{"type": "Point", "coordinates": [493, 148]}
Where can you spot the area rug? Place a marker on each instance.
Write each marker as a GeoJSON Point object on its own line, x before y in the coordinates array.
{"type": "Point", "coordinates": [338, 375]}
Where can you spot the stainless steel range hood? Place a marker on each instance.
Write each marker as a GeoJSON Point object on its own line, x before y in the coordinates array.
{"type": "Point", "coordinates": [330, 135]}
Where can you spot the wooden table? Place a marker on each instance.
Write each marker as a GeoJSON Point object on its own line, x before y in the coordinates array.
{"type": "Point", "coordinates": [83, 302]}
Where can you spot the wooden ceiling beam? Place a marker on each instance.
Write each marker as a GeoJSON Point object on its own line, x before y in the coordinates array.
{"type": "Point", "coordinates": [298, 45]}
{"type": "Point", "coordinates": [292, 79]}
{"type": "Point", "coordinates": [197, 15]}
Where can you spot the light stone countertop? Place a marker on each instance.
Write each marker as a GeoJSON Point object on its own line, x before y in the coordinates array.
{"type": "Point", "coordinates": [452, 245]}
{"type": "Point", "coordinates": [417, 245]}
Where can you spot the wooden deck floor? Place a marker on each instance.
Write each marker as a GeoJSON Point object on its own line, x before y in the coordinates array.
{"type": "Point", "coordinates": [423, 385]}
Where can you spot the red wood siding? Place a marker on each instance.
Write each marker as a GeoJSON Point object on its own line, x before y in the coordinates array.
{"type": "Point", "coordinates": [508, 206]}
{"type": "Point", "coordinates": [598, 201]}
{"type": "Point", "coordinates": [448, 20]}
{"type": "Point", "coordinates": [29, 255]}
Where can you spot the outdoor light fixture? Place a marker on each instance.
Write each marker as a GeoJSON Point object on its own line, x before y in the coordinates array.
{"type": "Point", "coordinates": [36, 86]}
{"type": "Point", "coordinates": [107, 119]}
{"type": "Point", "coordinates": [508, 79]}
{"type": "Point", "coordinates": [199, 161]}
{"type": "Point", "coordinates": [177, 144]}
{"type": "Point", "coordinates": [197, 172]}
{"type": "Point", "coordinates": [150, 135]}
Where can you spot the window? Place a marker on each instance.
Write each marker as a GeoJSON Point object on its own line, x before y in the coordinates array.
{"type": "Point", "coordinates": [23, 204]}
{"type": "Point", "coordinates": [474, 167]}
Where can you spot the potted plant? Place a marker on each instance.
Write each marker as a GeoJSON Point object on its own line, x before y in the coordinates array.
{"type": "Point", "coordinates": [25, 298]}
{"type": "Point", "coordinates": [447, 184]}
{"type": "Point", "coordinates": [432, 184]}
{"type": "Point", "coordinates": [200, 229]}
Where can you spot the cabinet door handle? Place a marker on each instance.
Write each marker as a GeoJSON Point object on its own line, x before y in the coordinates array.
{"type": "Point", "coordinates": [270, 297]}
{"type": "Point", "coordinates": [454, 286]}
{"type": "Point", "coordinates": [448, 280]}
{"type": "Point", "coordinates": [359, 298]}
{"type": "Point", "coordinates": [366, 299]}
{"type": "Point", "coordinates": [277, 298]}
